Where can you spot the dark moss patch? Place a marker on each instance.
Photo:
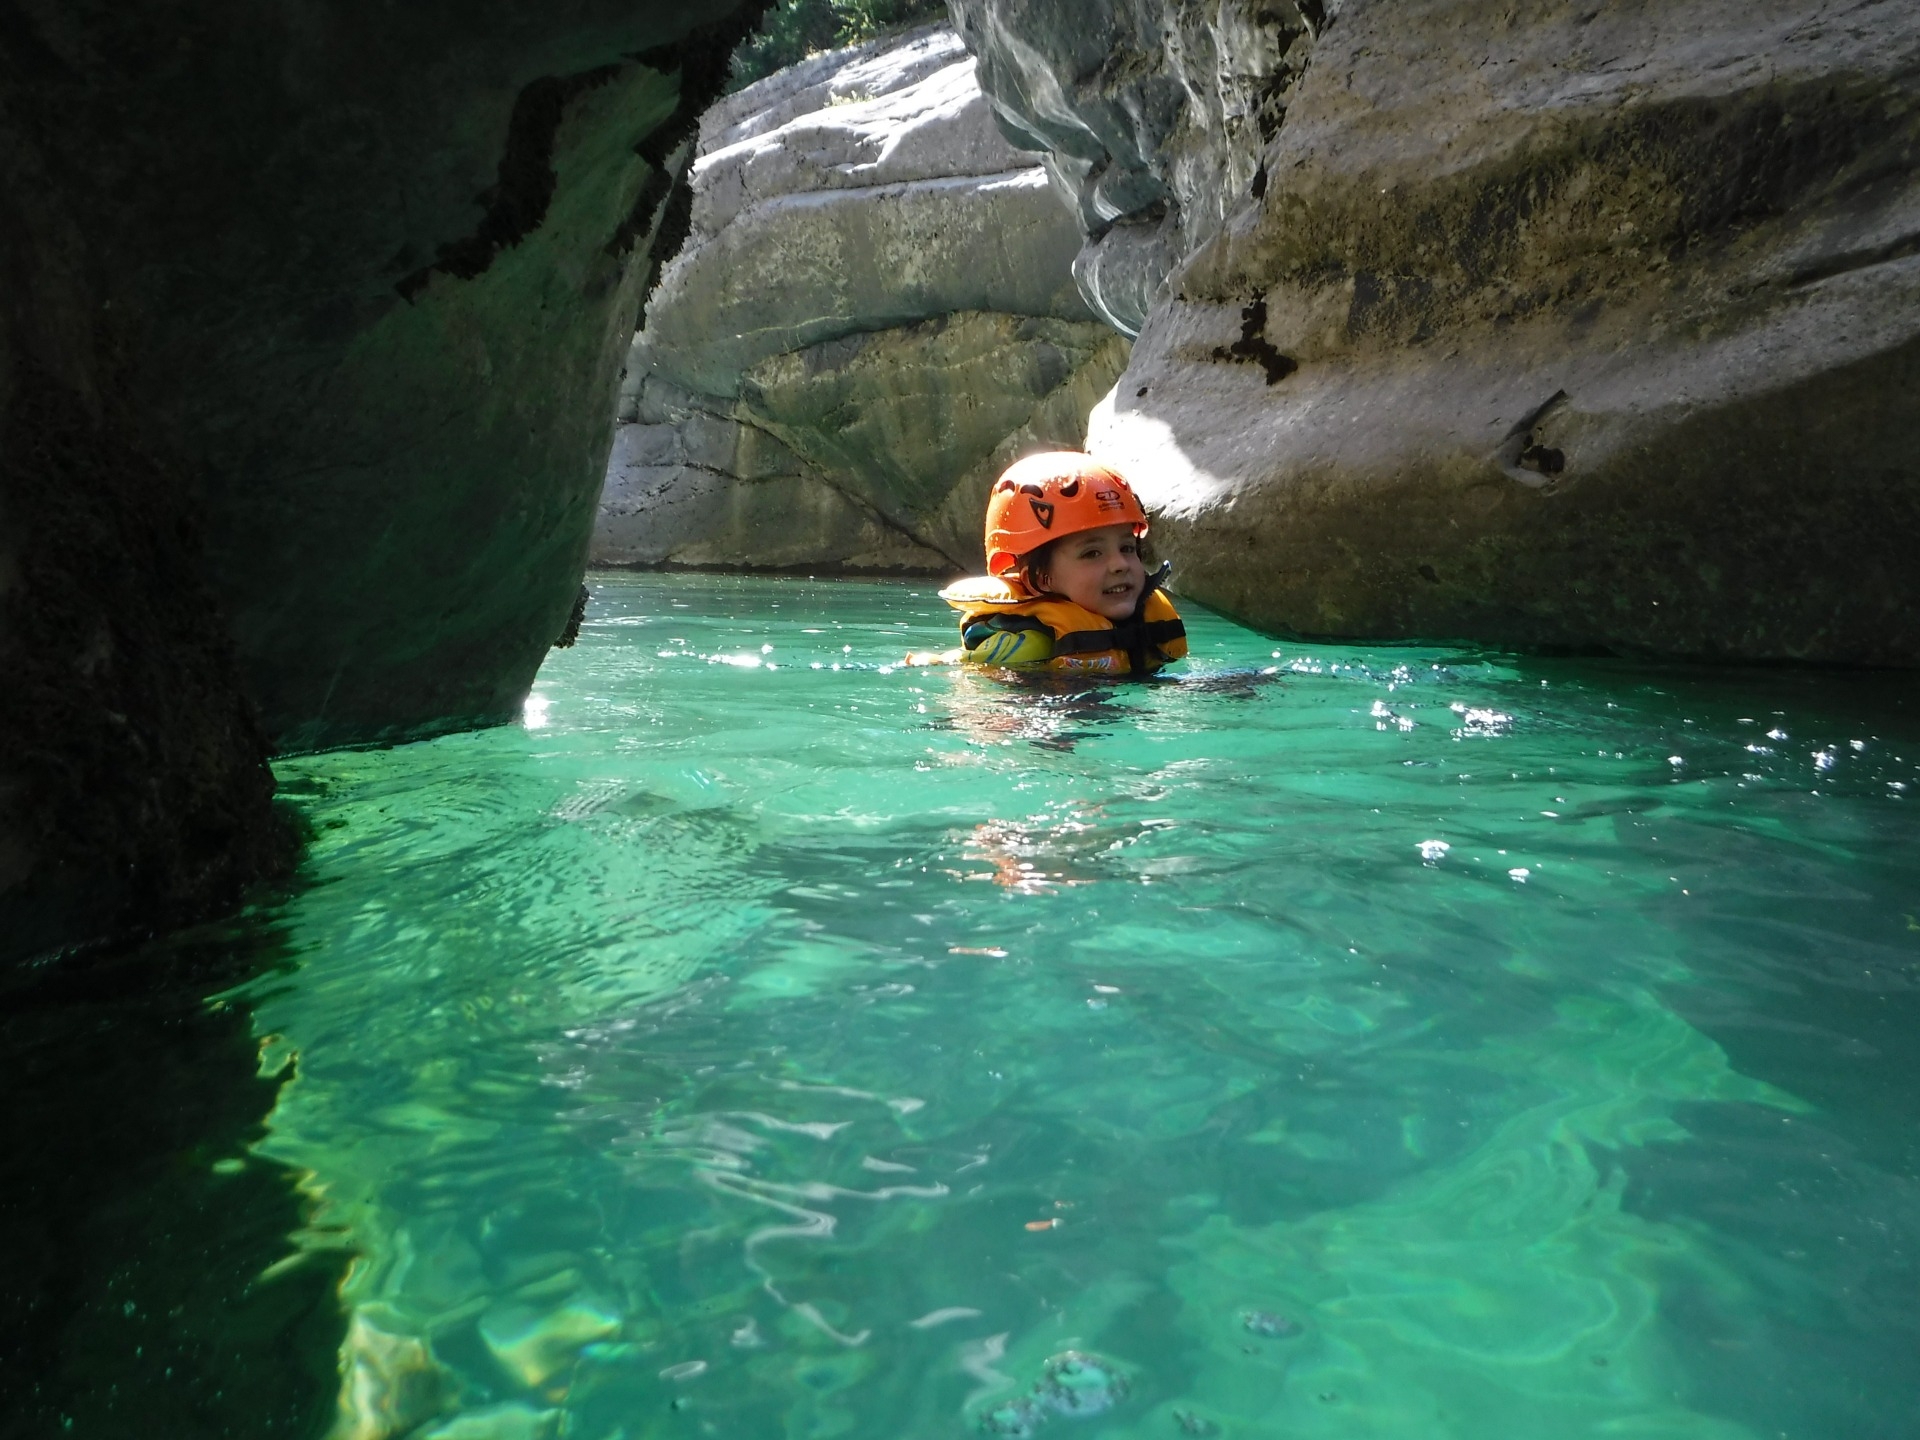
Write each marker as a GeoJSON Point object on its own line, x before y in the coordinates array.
{"type": "Point", "coordinates": [575, 619]}
{"type": "Point", "coordinates": [517, 201]}
{"type": "Point", "coordinates": [664, 205]}
{"type": "Point", "coordinates": [1253, 344]}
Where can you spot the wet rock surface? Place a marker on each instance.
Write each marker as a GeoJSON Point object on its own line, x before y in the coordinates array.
{"type": "Point", "coordinates": [875, 308]}
{"type": "Point", "coordinates": [1561, 325]}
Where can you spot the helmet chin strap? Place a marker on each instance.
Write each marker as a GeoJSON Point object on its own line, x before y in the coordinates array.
{"type": "Point", "coordinates": [1156, 581]}
{"type": "Point", "coordinates": [1136, 633]}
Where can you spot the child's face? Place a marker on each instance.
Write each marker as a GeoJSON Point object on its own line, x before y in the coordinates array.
{"type": "Point", "coordinates": [1098, 569]}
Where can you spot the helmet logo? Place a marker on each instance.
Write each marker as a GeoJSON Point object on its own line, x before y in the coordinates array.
{"type": "Point", "coordinates": [1043, 512]}
{"type": "Point", "coordinates": [1109, 500]}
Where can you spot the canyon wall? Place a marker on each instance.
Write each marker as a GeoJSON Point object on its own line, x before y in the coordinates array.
{"type": "Point", "coordinates": [873, 313]}
{"type": "Point", "coordinates": [1568, 325]}
{"type": "Point", "coordinates": [312, 319]}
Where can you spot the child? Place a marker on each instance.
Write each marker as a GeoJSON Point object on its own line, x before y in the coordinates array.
{"type": "Point", "coordinates": [1066, 587]}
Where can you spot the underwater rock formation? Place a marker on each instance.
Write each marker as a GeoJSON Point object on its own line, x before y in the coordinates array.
{"type": "Point", "coordinates": [312, 322]}
{"type": "Point", "coordinates": [873, 312]}
{"type": "Point", "coordinates": [1547, 324]}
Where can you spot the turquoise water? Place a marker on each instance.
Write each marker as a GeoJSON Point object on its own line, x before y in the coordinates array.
{"type": "Point", "coordinates": [762, 1040]}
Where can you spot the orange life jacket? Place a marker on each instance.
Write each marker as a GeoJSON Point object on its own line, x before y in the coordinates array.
{"type": "Point", "coordinates": [1082, 640]}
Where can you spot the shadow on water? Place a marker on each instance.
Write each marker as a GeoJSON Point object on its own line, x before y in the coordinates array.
{"type": "Point", "coordinates": [140, 1297]}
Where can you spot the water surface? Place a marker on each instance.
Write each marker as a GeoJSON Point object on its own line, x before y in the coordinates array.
{"type": "Point", "coordinates": [764, 1040]}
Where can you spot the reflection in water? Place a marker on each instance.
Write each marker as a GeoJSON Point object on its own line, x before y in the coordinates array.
{"type": "Point", "coordinates": [1055, 712]}
{"type": "Point", "coordinates": [1010, 849]}
{"type": "Point", "coordinates": [1051, 712]}
{"type": "Point", "coordinates": [1393, 1044]}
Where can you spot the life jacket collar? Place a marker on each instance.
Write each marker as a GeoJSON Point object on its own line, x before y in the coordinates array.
{"type": "Point", "coordinates": [1082, 638]}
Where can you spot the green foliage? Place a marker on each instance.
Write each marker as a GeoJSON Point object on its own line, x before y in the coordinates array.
{"type": "Point", "coordinates": [864, 19]}
{"type": "Point", "coordinates": [795, 29]}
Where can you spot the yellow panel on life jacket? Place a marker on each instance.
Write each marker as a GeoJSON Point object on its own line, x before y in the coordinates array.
{"type": "Point", "coordinates": [1082, 640]}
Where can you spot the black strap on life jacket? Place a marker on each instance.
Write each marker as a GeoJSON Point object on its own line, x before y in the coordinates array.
{"type": "Point", "coordinates": [1133, 635]}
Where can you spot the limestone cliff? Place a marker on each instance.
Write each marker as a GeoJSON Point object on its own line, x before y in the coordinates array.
{"type": "Point", "coordinates": [873, 312]}
{"type": "Point", "coordinates": [310, 322]}
{"type": "Point", "coordinates": [1582, 324]}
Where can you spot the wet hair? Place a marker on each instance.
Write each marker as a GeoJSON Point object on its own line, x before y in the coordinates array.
{"type": "Point", "coordinates": [1038, 560]}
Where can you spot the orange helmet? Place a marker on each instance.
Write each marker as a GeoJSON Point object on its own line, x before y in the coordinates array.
{"type": "Point", "coordinates": [1046, 496]}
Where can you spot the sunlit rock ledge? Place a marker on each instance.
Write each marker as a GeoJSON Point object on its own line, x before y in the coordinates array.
{"type": "Point", "coordinates": [874, 311]}
{"type": "Point", "coordinates": [1547, 324]}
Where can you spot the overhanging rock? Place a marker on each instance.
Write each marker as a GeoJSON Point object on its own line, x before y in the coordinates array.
{"type": "Point", "coordinates": [1547, 324]}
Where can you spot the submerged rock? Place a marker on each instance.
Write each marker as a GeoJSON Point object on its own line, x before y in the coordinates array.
{"type": "Point", "coordinates": [1019, 1418]}
{"type": "Point", "coordinates": [1071, 1383]}
{"type": "Point", "coordinates": [1552, 324]}
{"type": "Point", "coordinates": [391, 1382]}
{"type": "Point", "coordinates": [536, 1345]}
{"type": "Point", "coordinates": [499, 1422]}
{"type": "Point", "coordinates": [874, 310]}
{"type": "Point", "coordinates": [1269, 1325]}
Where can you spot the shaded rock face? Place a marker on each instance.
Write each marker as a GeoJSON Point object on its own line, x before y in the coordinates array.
{"type": "Point", "coordinates": [311, 322]}
{"type": "Point", "coordinates": [1549, 324]}
{"type": "Point", "coordinates": [1151, 117]}
{"type": "Point", "coordinates": [873, 313]}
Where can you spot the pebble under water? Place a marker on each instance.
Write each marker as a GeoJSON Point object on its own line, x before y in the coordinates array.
{"type": "Point", "coordinates": [763, 1040]}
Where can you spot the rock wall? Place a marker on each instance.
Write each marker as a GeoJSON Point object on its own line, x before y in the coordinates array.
{"type": "Point", "coordinates": [1546, 324]}
{"type": "Point", "coordinates": [873, 313]}
{"type": "Point", "coordinates": [1150, 116]}
{"type": "Point", "coordinates": [310, 322]}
